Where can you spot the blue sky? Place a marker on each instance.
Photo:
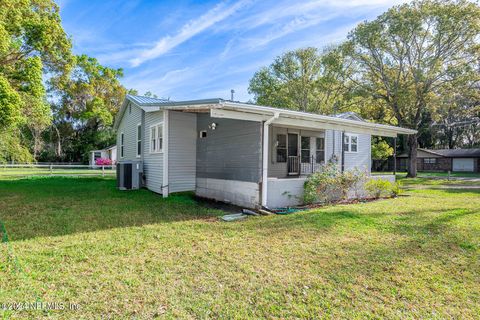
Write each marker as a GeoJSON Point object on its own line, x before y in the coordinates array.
{"type": "Point", "coordinates": [202, 49]}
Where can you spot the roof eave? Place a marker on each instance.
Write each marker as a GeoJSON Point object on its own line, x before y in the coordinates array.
{"type": "Point", "coordinates": [318, 118]}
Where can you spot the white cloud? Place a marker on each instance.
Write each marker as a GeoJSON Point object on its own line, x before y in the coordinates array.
{"type": "Point", "coordinates": [189, 30]}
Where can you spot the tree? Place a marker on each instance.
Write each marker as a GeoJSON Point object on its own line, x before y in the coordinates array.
{"type": "Point", "coordinates": [381, 150]}
{"type": "Point", "coordinates": [302, 79]}
{"type": "Point", "coordinates": [83, 117]}
{"type": "Point", "coordinates": [407, 55]}
{"type": "Point", "coordinates": [33, 45]}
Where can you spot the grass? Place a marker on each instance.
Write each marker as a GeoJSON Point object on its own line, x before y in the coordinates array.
{"type": "Point", "coordinates": [136, 255]}
{"type": "Point", "coordinates": [426, 174]}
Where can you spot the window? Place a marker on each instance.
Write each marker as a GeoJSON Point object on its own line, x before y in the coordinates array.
{"type": "Point", "coordinates": [122, 142]}
{"type": "Point", "coordinates": [305, 144]}
{"type": "Point", "coordinates": [350, 143]}
{"type": "Point", "coordinates": [320, 150]}
{"type": "Point", "coordinates": [130, 109]}
{"type": "Point", "coordinates": [97, 155]}
{"type": "Point", "coordinates": [139, 140]}
{"type": "Point", "coordinates": [281, 148]}
{"type": "Point", "coordinates": [429, 160]}
{"type": "Point", "coordinates": [156, 138]}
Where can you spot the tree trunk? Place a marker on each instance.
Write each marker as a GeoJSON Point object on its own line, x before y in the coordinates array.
{"type": "Point", "coordinates": [412, 155]}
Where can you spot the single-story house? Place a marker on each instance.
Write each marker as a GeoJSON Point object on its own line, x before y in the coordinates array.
{"type": "Point", "coordinates": [244, 154]}
{"type": "Point", "coordinates": [107, 153]}
{"type": "Point", "coordinates": [455, 160]}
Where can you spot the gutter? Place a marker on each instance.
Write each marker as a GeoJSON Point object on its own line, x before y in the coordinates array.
{"type": "Point", "coordinates": [265, 150]}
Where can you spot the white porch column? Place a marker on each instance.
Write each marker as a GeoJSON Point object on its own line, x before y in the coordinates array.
{"type": "Point", "coordinates": [266, 126]}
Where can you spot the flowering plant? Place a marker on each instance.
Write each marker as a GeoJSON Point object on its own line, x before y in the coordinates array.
{"type": "Point", "coordinates": [103, 162]}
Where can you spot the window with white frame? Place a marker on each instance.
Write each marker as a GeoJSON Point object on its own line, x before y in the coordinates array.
{"type": "Point", "coordinates": [320, 150]}
{"type": "Point", "coordinates": [281, 148]}
{"type": "Point", "coordinates": [122, 145]}
{"type": "Point", "coordinates": [139, 140]}
{"type": "Point", "coordinates": [156, 138]}
{"type": "Point", "coordinates": [350, 142]}
{"type": "Point", "coordinates": [305, 152]}
{"type": "Point", "coordinates": [429, 160]}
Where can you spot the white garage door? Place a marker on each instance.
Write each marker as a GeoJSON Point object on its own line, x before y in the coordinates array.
{"type": "Point", "coordinates": [463, 164]}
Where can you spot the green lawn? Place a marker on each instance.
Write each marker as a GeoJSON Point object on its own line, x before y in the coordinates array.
{"type": "Point", "coordinates": [440, 175]}
{"type": "Point", "coordinates": [136, 255]}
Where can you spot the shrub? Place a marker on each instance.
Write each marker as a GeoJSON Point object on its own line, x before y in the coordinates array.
{"type": "Point", "coordinates": [382, 188]}
{"type": "Point", "coordinates": [396, 189]}
{"type": "Point", "coordinates": [103, 162]}
{"type": "Point", "coordinates": [329, 184]}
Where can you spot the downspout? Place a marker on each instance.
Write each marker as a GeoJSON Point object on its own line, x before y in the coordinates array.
{"type": "Point", "coordinates": [166, 145]}
{"type": "Point", "coordinates": [265, 149]}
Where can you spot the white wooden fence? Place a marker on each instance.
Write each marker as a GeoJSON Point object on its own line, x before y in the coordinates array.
{"type": "Point", "coordinates": [28, 169]}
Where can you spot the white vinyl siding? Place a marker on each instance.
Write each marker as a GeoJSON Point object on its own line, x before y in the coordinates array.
{"type": "Point", "coordinates": [128, 128]}
{"type": "Point", "coordinates": [360, 159]}
{"type": "Point", "coordinates": [182, 151]}
{"type": "Point", "coordinates": [152, 161]}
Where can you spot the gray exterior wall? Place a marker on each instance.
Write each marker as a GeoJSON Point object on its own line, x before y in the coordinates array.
{"type": "Point", "coordinates": [232, 152]}
{"type": "Point", "coordinates": [152, 162]}
{"type": "Point", "coordinates": [182, 151]}
{"type": "Point", "coordinates": [128, 125]}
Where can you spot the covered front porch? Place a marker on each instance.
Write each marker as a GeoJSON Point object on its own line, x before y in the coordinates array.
{"type": "Point", "coordinates": [295, 152]}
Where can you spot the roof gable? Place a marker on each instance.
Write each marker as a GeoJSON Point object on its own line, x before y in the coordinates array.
{"type": "Point", "coordinates": [349, 115]}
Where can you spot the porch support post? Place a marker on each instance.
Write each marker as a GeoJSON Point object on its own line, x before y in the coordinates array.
{"type": "Point", "coordinates": [395, 156]}
{"type": "Point", "coordinates": [165, 154]}
{"type": "Point", "coordinates": [265, 148]}
{"type": "Point", "coordinates": [343, 150]}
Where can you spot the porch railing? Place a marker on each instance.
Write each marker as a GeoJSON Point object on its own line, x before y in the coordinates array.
{"type": "Point", "coordinates": [296, 167]}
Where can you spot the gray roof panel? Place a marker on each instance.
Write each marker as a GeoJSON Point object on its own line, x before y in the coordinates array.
{"type": "Point", "coordinates": [458, 153]}
{"type": "Point", "coordinates": [146, 101]}
{"type": "Point", "coordinates": [449, 153]}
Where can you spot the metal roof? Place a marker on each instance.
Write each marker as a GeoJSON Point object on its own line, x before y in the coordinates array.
{"type": "Point", "coordinates": [341, 122]}
{"type": "Point", "coordinates": [349, 115]}
{"type": "Point", "coordinates": [146, 101]}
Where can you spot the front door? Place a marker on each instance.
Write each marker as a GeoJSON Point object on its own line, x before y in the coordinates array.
{"type": "Point", "coordinates": [293, 159]}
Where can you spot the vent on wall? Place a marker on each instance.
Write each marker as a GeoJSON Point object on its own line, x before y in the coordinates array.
{"type": "Point", "coordinates": [203, 134]}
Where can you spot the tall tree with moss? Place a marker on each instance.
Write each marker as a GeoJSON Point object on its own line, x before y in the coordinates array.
{"type": "Point", "coordinates": [408, 54]}
{"type": "Point", "coordinates": [32, 44]}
